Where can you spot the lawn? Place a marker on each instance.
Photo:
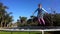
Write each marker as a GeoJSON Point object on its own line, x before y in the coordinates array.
{"type": "Point", "coordinates": [4, 32]}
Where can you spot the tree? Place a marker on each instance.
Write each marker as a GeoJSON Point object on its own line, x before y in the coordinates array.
{"type": "Point", "coordinates": [22, 21]}
{"type": "Point", "coordinates": [33, 21]}
{"type": "Point", "coordinates": [5, 17]}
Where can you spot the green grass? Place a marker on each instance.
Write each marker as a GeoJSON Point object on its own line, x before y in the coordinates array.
{"type": "Point", "coordinates": [4, 32]}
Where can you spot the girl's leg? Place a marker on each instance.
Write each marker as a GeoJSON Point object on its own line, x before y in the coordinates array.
{"type": "Point", "coordinates": [43, 21]}
{"type": "Point", "coordinates": [39, 20]}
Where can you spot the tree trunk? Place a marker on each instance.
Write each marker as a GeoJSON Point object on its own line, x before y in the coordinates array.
{"type": "Point", "coordinates": [5, 24]}
{"type": "Point", "coordinates": [1, 24]}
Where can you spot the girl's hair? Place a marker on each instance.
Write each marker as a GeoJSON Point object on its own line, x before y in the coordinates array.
{"type": "Point", "coordinates": [39, 4]}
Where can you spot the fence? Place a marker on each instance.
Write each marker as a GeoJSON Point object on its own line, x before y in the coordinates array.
{"type": "Point", "coordinates": [28, 30]}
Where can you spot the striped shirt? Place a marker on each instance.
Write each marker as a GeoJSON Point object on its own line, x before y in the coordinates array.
{"type": "Point", "coordinates": [41, 12]}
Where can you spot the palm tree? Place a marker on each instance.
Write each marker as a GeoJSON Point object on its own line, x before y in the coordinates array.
{"type": "Point", "coordinates": [4, 15]}
{"type": "Point", "coordinates": [32, 21]}
{"type": "Point", "coordinates": [22, 21]}
{"type": "Point", "coordinates": [2, 12]}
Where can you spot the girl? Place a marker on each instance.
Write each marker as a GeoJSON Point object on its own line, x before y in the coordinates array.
{"type": "Point", "coordinates": [40, 14]}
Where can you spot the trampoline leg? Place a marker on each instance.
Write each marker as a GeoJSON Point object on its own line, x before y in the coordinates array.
{"type": "Point", "coordinates": [42, 32]}
{"type": "Point", "coordinates": [11, 32]}
{"type": "Point", "coordinates": [29, 32]}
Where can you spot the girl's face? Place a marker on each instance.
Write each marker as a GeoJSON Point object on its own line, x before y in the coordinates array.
{"type": "Point", "coordinates": [39, 6]}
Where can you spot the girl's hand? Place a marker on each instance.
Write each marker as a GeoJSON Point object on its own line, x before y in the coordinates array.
{"type": "Point", "coordinates": [46, 13]}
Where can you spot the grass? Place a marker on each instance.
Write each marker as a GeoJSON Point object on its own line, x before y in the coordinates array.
{"type": "Point", "coordinates": [4, 32]}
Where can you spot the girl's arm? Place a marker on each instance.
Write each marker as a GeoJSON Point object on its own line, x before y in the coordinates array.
{"type": "Point", "coordinates": [44, 10]}
{"type": "Point", "coordinates": [35, 11]}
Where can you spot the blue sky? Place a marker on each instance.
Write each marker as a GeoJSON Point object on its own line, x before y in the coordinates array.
{"type": "Point", "coordinates": [27, 7]}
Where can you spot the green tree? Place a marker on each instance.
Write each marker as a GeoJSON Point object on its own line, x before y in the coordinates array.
{"type": "Point", "coordinates": [5, 17]}
{"type": "Point", "coordinates": [22, 21]}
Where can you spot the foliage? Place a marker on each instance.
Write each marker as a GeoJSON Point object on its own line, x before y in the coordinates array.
{"type": "Point", "coordinates": [5, 17]}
